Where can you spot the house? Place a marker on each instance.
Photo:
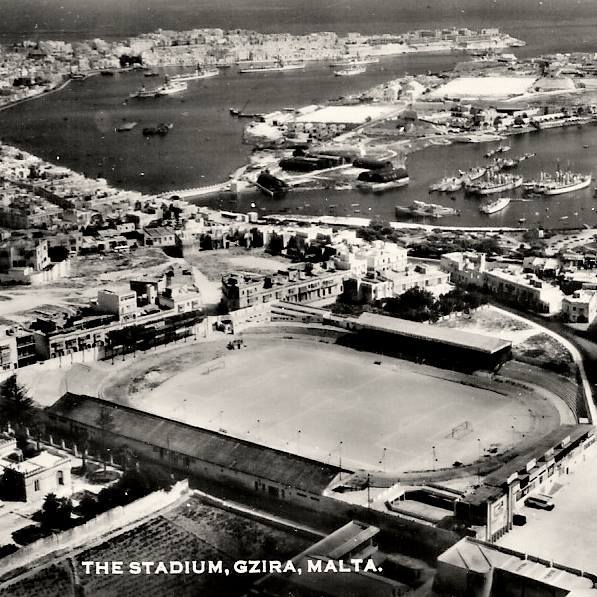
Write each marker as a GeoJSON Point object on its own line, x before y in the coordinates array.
{"type": "Point", "coordinates": [160, 236]}
{"type": "Point", "coordinates": [32, 479]}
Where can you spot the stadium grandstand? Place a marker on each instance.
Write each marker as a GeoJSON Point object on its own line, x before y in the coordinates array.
{"type": "Point", "coordinates": [421, 342]}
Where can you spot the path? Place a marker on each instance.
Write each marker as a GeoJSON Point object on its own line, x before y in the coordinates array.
{"type": "Point", "coordinates": [572, 349]}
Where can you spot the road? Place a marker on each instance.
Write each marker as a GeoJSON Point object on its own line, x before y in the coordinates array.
{"type": "Point", "coordinates": [584, 348]}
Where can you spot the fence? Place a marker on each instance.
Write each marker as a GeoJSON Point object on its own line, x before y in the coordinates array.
{"type": "Point", "coordinates": [96, 527]}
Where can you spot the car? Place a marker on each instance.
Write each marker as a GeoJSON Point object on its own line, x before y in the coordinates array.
{"type": "Point", "coordinates": [540, 501]}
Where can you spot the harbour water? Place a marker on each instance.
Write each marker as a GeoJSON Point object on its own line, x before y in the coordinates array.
{"type": "Point", "coordinates": [76, 126]}
{"type": "Point", "coordinates": [564, 148]}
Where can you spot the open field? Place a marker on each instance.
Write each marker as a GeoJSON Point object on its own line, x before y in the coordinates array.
{"type": "Point", "coordinates": [332, 404]}
{"type": "Point", "coordinates": [213, 263]}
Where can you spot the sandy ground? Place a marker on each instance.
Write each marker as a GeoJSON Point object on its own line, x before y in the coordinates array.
{"type": "Point", "coordinates": [88, 274]}
{"type": "Point", "coordinates": [567, 533]}
{"type": "Point", "coordinates": [494, 87]}
{"type": "Point", "coordinates": [306, 399]}
{"type": "Point", "coordinates": [349, 114]}
{"type": "Point", "coordinates": [490, 322]}
{"type": "Point", "coordinates": [211, 290]}
{"type": "Point", "coordinates": [260, 263]}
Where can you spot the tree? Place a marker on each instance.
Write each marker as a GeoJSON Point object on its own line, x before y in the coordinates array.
{"type": "Point", "coordinates": [56, 512]}
{"type": "Point", "coordinates": [415, 304]}
{"type": "Point", "coordinates": [105, 421]}
{"type": "Point", "coordinates": [276, 244]}
{"type": "Point", "coordinates": [82, 443]}
{"type": "Point", "coordinates": [16, 408]}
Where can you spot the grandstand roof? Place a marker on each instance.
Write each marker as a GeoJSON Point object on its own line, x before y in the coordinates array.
{"type": "Point", "coordinates": [450, 336]}
{"type": "Point", "coordinates": [480, 557]}
{"type": "Point", "coordinates": [209, 446]}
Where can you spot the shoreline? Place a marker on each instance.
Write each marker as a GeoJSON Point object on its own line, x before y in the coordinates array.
{"type": "Point", "coordinates": [238, 175]}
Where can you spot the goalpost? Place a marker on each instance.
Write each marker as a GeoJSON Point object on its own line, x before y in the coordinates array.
{"type": "Point", "coordinates": [460, 430]}
{"type": "Point", "coordinates": [214, 366]}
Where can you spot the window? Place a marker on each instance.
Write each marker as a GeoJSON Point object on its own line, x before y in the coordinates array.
{"type": "Point", "coordinates": [36, 485]}
{"type": "Point", "coordinates": [60, 478]}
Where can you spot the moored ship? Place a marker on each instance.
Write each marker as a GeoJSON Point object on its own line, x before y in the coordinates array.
{"type": "Point", "coordinates": [495, 183]}
{"type": "Point", "coordinates": [499, 149]}
{"type": "Point", "coordinates": [494, 205]}
{"type": "Point", "coordinates": [350, 71]}
{"type": "Point", "coordinates": [558, 183]}
{"type": "Point", "coordinates": [472, 173]}
{"type": "Point", "coordinates": [171, 87]}
{"type": "Point", "coordinates": [280, 65]}
{"type": "Point", "coordinates": [198, 73]}
{"type": "Point", "coordinates": [358, 61]}
{"type": "Point", "coordinates": [143, 93]}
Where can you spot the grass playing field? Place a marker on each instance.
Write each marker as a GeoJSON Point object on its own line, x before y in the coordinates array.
{"type": "Point", "coordinates": [335, 404]}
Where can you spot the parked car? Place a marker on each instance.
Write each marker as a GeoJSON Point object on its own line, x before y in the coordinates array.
{"type": "Point", "coordinates": [540, 501]}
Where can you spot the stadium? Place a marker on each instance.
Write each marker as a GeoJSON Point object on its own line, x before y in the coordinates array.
{"type": "Point", "coordinates": [340, 406]}
{"type": "Point", "coordinates": [323, 395]}
{"type": "Point", "coordinates": [319, 410]}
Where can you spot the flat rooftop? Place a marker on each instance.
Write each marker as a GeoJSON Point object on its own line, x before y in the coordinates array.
{"type": "Point", "coordinates": [481, 557]}
{"type": "Point", "coordinates": [452, 337]}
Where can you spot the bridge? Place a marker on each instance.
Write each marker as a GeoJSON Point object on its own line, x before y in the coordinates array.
{"type": "Point", "coordinates": [197, 191]}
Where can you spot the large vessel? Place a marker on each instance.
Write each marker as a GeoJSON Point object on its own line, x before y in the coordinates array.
{"type": "Point", "coordinates": [280, 65]}
{"type": "Point", "coordinates": [171, 87]}
{"type": "Point", "coordinates": [472, 173]}
{"type": "Point", "coordinates": [198, 73]}
{"type": "Point", "coordinates": [558, 183]}
{"type": "Point", "coordinates": [495, 183]}
{"type": "Point", "coordinates": [350, 71]}
{"type": "Point", "coordinates": [494, 205]}
{"type": "Point", "coordinates": [357, 61]}
{"type": "Point", "coordinates": [144, 93]}
{"type": "Point", "coordinates": [426, 210]}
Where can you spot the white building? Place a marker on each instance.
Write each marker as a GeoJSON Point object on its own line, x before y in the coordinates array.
{"type": "Point", "coordinates": [120, 303]}
{"type": "Point", "coordinates": [581, 307]}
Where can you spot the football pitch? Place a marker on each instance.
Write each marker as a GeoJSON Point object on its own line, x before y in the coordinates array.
{"type": "Point", "coordinates": [341, 406]}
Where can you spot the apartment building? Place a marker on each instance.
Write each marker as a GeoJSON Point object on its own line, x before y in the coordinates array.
{"type": "Point", "coordinates": [580, 307]}
{"type": "Point", "coordinates": [243, 289]}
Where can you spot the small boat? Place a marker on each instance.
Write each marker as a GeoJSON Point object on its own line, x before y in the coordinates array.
{"type": "Point", "coordinates": [161, 129]}
{"type": "Point", "coordinates": [126, 126]}
{"type": "Point", "coordinates": [522, 220]}
{"type": "Point", "coordinates": [350, 71]}
{"type": "Point", "coordinates": [495, 205]}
